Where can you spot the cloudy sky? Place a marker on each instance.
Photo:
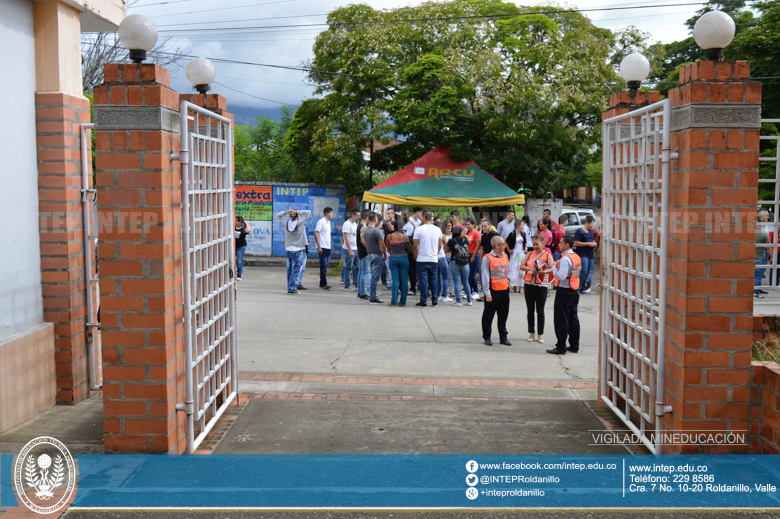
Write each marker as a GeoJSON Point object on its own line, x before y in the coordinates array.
{"type": "Point", "coordinates": [291, 45]}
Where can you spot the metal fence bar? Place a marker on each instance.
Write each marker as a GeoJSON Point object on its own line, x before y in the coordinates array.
{"type": "Point", "coordinates": [91, 285]}
{"type": "Point", "coordinates": [637, 154]}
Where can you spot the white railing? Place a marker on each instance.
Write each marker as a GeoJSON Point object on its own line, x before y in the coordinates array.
{"type": "Point", "coordinates": [770, 247]}
{"type": "Point", "coordinates": [635, 191]}
{"type": "Point", "coordinates": [208, 257]}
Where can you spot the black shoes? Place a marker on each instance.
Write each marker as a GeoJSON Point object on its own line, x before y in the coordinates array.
{"type": "Point", "coordinates": [421, 304]}
{"type": "Point", "coordinates": [375, 302]}
{"type": "Point", "coordinates": [488, 342]}
{"type": "Point", "coordinates": [301, 287]}
{"type": "Point", "coordinates": [556, 351]}
{"type": "Point", "coordinates": [364, 297]}
{"type": "Point", "coordinates": [326, 287]}
{"type": "Point", "coordinates": [572, 350]}
{"type": "Point", "coordinates": [435, 304]}
{"type": "Point", "coordinates": [506, 342]}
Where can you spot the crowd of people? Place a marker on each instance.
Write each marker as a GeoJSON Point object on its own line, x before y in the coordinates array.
{"type": "Point", "coordinates": [456, 261]}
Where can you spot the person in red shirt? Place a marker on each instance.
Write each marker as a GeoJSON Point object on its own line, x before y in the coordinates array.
{"type": "Point", "coordinates": [474, 237]}
{"type": "Point", "coordinates": [559, 231]}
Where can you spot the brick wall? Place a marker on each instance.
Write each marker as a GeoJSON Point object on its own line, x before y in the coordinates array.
{"type": "Point", "coordinates": [58, 120]}
{"type": "Point", "coordinates": [139, 201]}
{"type": "Point", "coordinates": [713, 194]}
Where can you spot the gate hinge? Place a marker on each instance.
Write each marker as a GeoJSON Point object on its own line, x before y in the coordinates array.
{"type": "Point", "coordinates": [86, 192]}
{"type": "Point", "coordinates": [661, 409]}
{"type": "Point", "coordinates": [187, 407]}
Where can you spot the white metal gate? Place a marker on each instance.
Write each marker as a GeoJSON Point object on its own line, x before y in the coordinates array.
{"type": "Point", "coordinates": [635, 193]}
{"type": "Point", "coordinates": [208, 252]}
{"type": "Point", "coordinates": [772, 185]}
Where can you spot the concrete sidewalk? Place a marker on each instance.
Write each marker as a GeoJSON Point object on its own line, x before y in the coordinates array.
{"type": "Point", "coordinates": [334, 332]}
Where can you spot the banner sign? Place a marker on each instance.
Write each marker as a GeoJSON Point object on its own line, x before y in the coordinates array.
{"type": "Point", "coordinates": [419, 481]}
{"type": "Point", "coordinates": [254, 203]}
{"type": "Point", "coordinates": [314, 199]}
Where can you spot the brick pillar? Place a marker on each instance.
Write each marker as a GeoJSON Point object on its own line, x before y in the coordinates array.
{"type": "Point", "coordinates": [715, 120]}
{"type": "Point", "coordinates": [621, 103]}
{"type": "Point", "coordinates": [139, 202]}
{"type": "Point", "coordinates": [58, 120]}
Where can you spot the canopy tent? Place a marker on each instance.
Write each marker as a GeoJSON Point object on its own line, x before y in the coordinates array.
{"type": "Point", "coordinates": [436, 180]}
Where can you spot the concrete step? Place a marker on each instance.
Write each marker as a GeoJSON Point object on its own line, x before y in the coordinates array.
{"type": "Point", "coordinates": [420, 390]}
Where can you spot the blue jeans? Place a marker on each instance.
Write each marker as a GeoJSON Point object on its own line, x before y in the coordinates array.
{"type": "Point", "coordinates": [444, 277]}
{"type": "Point", "coordinates": [240, 260]}
{"type": "Point", "coordinates": [377, 262]}
{"type": "Point", "coordinates": [348, 264]}
{"type": "Point", "coordinates": [386, 269]}
{"type": "Point", "coordinates": [294, 259]}
{"type": "Point", "coordinates": [586, 272]}
{"type": "Point", "coordinates": [428, 272]}
{"type": "Point", "coordinates": [324, 263]}
{"type": "Point", "coordinates": [473, 269]}
{"type": "Point", "coordinates": [759, 274]}
{"type": "Point", "coordinates": [460, 274]}
{"type": "Point", "coordinates": [399, 269]}
{"type": "Point", "coordinates": [364, 276]}
{"type": "Point", "coordinates": [303, 267]}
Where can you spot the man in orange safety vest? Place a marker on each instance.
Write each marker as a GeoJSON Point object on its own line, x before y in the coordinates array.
{"type": "Point", "coordinates": [567, 279]}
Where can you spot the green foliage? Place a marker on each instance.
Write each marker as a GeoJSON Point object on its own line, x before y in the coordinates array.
{"type": "Point", "coordinates": [259, 151]}
{"type": "Point", "coordinates": [593, 173]}
{"type": "Point", "coordinates": [520, 95]}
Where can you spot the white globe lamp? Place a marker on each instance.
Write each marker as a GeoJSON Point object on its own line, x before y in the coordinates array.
{"type": "Point", "coordinates": [634, 69]}
{"type": "Point", "coordinates": [138, 34]}
{"type": "Point", "coordinates": [713, 32]}
{"type": "Point", "coordinates": [201, 73]}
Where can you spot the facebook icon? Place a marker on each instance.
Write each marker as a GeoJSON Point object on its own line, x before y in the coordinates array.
{"type": "Point", "coordinates": [472, 466]}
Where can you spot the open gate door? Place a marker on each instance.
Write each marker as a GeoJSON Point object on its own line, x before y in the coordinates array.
{"type": "Point", "coordinates": [208, 257]}
{"type": "Point", "coordinates": [635, 191]}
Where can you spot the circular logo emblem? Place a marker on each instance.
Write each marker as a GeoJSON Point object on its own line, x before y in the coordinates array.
{"type": "Point", "coordinates": [472, 466]}
{"type": "Point", "coordinates": [44, 475]}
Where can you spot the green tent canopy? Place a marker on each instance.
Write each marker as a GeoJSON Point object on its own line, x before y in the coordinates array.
{"type": "Point", "coordinates": [436, 180]}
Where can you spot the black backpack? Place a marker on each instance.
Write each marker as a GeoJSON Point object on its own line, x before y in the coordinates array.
{"type": "Point", "coordinates": [460, 253]}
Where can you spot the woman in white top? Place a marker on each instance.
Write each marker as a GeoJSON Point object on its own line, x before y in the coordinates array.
{"type": "Point", "coordinates": [444, 264]}
{"type": "Point", "coordinates": [529, 232]}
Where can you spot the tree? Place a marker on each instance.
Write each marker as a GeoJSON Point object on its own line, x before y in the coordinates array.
{"type": "Point", "coordinates": [104, 47]}
{"type": "Point", "coordinates": [259, 150]}
{"type": "Point", "coordinates": [520, 92]}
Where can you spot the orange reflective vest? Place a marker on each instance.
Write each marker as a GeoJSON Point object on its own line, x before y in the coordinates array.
{"type": "Point", "coordinates": [533, 262]}
{"type": "Point", "coordinates": [499, 272]}
{"type": "Point", "coordinates": [574, 275]}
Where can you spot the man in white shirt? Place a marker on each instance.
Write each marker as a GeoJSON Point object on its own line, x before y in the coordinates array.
{"type": "Point", "coordinates": [427, 242]}
{"type": "Point", "coordinates": [507, 225]}
{"type": "Point", "coordinates": [413, 223]}
{"type": "Point", "coordinates": [349, 259]}
{"type": "Point", "coordinates": [322, 238]}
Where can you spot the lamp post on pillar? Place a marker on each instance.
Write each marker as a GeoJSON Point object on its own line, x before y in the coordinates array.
{"type": "Point", "coordinates": [713, 32]}
{"type": "Point", "coordinates": [138, 34]}
{"type": "Point", "coordinates": [633, 69]}
{"type": "Point", "coordinates": [201, 73]}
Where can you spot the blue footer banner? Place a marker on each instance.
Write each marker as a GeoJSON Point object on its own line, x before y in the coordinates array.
{"type": "Point", "coordinates": [413, 481]}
